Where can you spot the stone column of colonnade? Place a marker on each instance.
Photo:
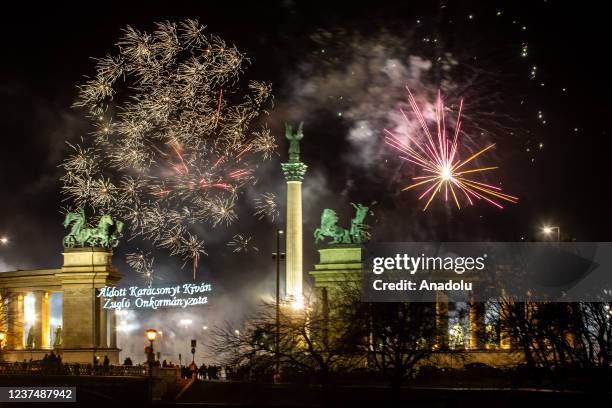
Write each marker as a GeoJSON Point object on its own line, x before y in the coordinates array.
{"type": "Point", "coordinates": [505, 340]}
{"type": "Point", "coordinates": [476, 321]}
{"type": "Point", "coordinates": [41, 319]}
{"type": "Point", "coordinates": [45, 320]}
{"type": "Point", "coordinates": [112, 341]}
{"type": "Point", "coordinates": [102, 324]}
{"type": "Point", "coordinates": [16, 337]}
{"type": "Point", "coordinates": [477, 325]}
{"type": "Point", "coordinates": [441, 320]}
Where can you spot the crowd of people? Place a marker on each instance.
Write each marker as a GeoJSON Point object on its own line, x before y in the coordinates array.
{"type": "Point", "coordinates": [52, 362]}
{"type": "Point", "coordinates": [203, 372]}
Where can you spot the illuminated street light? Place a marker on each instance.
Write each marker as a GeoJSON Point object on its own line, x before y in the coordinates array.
{"type": "Point", "coordinates": [548, 229]}
{"type": "Point", "coordinates": [4, 240]}
{"type": "Point", "coordinates": [151, 335]}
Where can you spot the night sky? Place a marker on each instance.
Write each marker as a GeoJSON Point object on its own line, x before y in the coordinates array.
{"type": "Point", "coordinates": [549, 123]}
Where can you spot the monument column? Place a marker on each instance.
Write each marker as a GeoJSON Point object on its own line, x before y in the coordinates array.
{"type": "Point", "coordinates": [294, 172]}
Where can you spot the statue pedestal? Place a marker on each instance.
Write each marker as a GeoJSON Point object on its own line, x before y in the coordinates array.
{"type": "Point", "coordinates": [86, 325]}
{"type": "Point", "coordinates": [339, 265]}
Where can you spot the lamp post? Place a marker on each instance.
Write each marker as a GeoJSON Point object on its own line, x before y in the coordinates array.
{"type": "Point", "coordinates": [277, 256]}
{"type": "Point", "coordinates": [151, 335]}
{"type": "Point", "coordinates": [2, 337]}
{"type": "Point", "coordinates": [547, 230]}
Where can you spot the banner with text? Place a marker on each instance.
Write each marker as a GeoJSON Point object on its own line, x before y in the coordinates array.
{"type": "Point", "coordinates": [138, 297]}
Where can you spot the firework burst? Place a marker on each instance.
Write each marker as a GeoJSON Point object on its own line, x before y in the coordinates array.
{"type": "Point", "coordinates": [142, 264]}
{"type": "Point", "coordinates": [241, 243]}
{"type": "Point", "coordinates": [266, 206]}
{"type": "Point", "coordinates": [437, 156]}
{"type": "Point", "coordinates": [176, 136]}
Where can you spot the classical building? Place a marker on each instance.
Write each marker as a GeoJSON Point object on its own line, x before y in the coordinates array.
{"type": "Point", "coordinates": [341, 264]}
{"type": "Point", "coordinates": [80, 329]}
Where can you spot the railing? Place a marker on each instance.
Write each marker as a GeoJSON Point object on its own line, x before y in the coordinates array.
{"type": "Point", "coordinates": [38, 368]}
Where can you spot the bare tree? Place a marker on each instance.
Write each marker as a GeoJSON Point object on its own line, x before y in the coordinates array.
{"type": "Point", "coordinates": [7, 315]}
{"type": "Point", "coordinates": [312, 342]}
{"type": "Point", "coordinates": [557, 336]}
{"type": "Point", "coordinates": [402, 337]}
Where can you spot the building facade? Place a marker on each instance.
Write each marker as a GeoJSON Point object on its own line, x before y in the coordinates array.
{"type": "Point", "coordinates": [59, 310]}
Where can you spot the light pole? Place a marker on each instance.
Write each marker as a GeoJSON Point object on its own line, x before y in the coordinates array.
{"type": "Point", "coordinates": [2, 337]}
{"type": "Point", "coordinates": [547, 230]}
{"type": "Point", "coordinates": [151, 335]}
{"type": "Point", "coordinates": [277, 255]}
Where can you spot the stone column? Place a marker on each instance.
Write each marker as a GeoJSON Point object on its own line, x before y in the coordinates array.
{"type": "Point", "coordinates": [294, 172]}
{"type": "Point", "coordinates": [37, 330]}
{"type": "Point", "coordinates": [294, 241]}
{"type": "Point", "coordinates": [441, 320]}
{"type": "Point", "coordinates": [16, 339]}
{"type": "Point", "coordinates": [45, 323]}
{"type": "Point", "coordinates": [505, 340]}
{"type": "Point", "coordinates": [477, 325]}
{"type": "Point", "coordinates": [3, 316]}
{"type": "Point", "coordinates": [103, 325]}
{"type": "Point", "coordinates": [113, 330]}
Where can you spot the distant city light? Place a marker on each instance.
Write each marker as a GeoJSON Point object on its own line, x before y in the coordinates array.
{"type": "Point", "coordinates": [4, 240]}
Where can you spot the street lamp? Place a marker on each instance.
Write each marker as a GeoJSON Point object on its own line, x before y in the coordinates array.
{"type": "Point", "coordinates": [151, 335]}
{"type": "Point", "coordinates": [4, 240]}
{"type": "Point", "coordinates": [277, 256]}
{"type": "Point", "coordinates": [547, 230]}
{"type": "Point", "coordinates": [2, 337]}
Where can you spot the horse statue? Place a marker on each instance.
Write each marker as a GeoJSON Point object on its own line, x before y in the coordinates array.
{"type": "Point", "coordinates": [357, 234]}
{"type": "Point", "coordinates": [105, 235]}
{"type": "Point", "coordinates": [329, 228]}
{"type": "Point", "coordinates": [77, 235]}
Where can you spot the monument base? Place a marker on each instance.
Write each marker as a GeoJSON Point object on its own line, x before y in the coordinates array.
{"type": "Point", "coordinates": [338, 264]}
